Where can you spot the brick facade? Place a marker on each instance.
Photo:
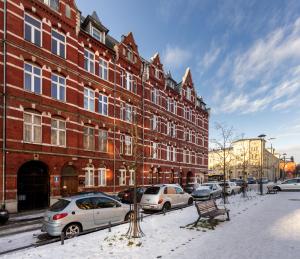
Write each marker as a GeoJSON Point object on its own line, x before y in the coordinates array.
{"type": "Point", "coordinates": [129, 82]}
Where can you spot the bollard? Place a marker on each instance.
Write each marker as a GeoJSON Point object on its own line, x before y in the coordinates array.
{"type": "Point", "coordinates": [62, 238]}
{"type": "Point", "coordinates": [142, 217]}
{"type": "Point", "coordinates": [109, 226]}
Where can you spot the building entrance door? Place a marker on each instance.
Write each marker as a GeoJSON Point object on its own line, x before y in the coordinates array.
{"type": "Point", "coordinates": [69, 181]}
{"type": "Point", "coordinates": [33, 186]}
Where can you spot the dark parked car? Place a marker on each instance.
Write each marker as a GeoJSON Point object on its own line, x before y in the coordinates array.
{"type": "Point", "coordinates": [251, 180]}
{"type": "Point", "coordinates": [264, 180]}
{"type": "Point", "coordinates": [190, 187]}
{"type": "Point", "coordinates": [240, 182]}
{"type": "Point", "coordinates": [126, 196]}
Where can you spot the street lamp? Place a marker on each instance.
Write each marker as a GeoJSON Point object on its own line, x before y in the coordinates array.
{"type": "Point", "coordinates": [283, 171]}
{"type": "Point", "coordinates": [272, 152]}
{"type": "Point", "coordinates": [262, 138]}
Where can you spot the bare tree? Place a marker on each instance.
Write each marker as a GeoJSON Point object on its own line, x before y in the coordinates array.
{"type": "Point", "coordinates": [223, 147]}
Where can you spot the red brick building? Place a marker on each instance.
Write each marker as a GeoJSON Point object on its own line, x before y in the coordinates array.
{"type": "Point", "coordinates": [82, 111]}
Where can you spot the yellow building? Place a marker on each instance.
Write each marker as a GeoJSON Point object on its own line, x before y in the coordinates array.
{"type": "Point", "coordinates": [243, 159]}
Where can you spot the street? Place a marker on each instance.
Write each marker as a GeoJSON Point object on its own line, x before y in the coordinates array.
{"type": "Point", "coordinates": [260, 227]}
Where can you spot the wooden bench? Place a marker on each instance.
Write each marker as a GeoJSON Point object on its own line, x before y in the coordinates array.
{"type": "Point", "coordinates": [271, 189]}
{"type": "Point", "coordinates": [209, 209]}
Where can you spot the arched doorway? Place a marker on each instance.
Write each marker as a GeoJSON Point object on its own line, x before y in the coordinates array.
{"type": "Point", "coordinates": [33, 186]}
{"type": "Point", "coordinates": [69, 181]}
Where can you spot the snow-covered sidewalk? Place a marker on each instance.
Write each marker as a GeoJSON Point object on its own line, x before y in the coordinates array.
{"type": "Point", "coordinates": [262, 227]}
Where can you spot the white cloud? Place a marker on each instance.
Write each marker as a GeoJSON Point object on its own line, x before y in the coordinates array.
{"type": "Point", "coordinates": [209, 58]}
{"type": "Point", "coordinates": [175, 57]}
{"type": "Point", "coordinates": [267, 54]}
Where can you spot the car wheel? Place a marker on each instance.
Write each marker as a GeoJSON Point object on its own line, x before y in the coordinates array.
{"type": "Point", "coordinates": [190, 201]}
{"type": "Point", "coordinates": [72, 230]}
{"type": "Point", "coordinates": [166, 207]}
{"type": "Point", "coordinates": [129, 216]}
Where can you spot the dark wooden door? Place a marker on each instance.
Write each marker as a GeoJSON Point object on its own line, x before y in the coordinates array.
{"type": "Point", "coordinates": [69, 185]}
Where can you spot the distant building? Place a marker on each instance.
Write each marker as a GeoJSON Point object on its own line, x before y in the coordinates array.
{"type": "Point", "coordinates": [243, 160]}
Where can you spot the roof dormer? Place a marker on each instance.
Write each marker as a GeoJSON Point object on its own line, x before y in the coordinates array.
{"type": "Point", "coordinates": [188, 86]}
{"type": "Point", "coordinates": [128, 48]}
{"type": "Point", "coordinates": [95, 28]}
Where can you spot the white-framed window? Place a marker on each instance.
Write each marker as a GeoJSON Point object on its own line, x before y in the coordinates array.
{"type": "Point", "coordinates": [103, 104]}
{"type": "Point", "coordinates": [32, 127]}
{"type": "Point", "coordinates": [130, 54]}
{"type": "Point", "coordinates": [169, 153]}
{"type": "Point", "coordinates": [103, 69]}
{"type": "Point", "coordinates": [103, 140]}
{"type": "Point", "coordinates": [32, 78]}
{"type": "Point", "coordinates": [175, 107]}
{"type": "Point", "coordinates": [102, 176]}
{"type": "Point", "coordinates": [33, 30]}
{"type": "Point", "coordinates": [155, 96]}
{"type": "Point", "coordinates": [188, 93]}
{"type": "Point", "coordinates": [68, 11]}
{"type": "Point", "coordinates": [171, 105]}
{"type": "Point", "coordinates": [156, 73]}
{"type": "Point", "coordinates": [89, 61]}
{"type": "Point", "coordinates": [130, 83]}
{"type": "Point", "coordinates": [98, 35]}
{"type": "Point", "coordinates": [122, 178]}
{"type": "Point", "coordinates": [128, 145]}
{"type": "Point", "coordinates": [89, 138]}
{"type": "Point", "coordinates": [58, 132]}
{"type": "Point", "coordinates": [54, 4]}
{"type": "Point", "coordinates": [89, 176]}
{"type": "Point", "coordinates": [174, 154]}
{"type": "Point", "coordinates": [154, 150]}
{"type": "Point", "coordinates": [131, 176]}
{"type": "Point", "coordinates": [58, 87]}
{"type": "Point", "coordinates": [89, 99]}
{"type": "Point", "coordinates": [171, 129]}
{"type": "Point", "coordinates": [58, 44]}
{"type": "Point", "coordinates": [126, 112]}
{"type": "Point", "coordinates": [154, 122]}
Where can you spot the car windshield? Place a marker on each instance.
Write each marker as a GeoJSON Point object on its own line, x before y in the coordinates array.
{"type": "Point", "coordinates": [210, 186]}
{"type": "Point", "coordinates": [59, 205]}
{"type": "Point", "coordinates": [152, 190]}
{"type": "Point", "coordinates": [202, 190]}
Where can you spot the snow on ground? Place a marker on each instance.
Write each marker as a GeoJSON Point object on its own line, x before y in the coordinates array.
{"type": "Point", "coordinates": [261, 227]}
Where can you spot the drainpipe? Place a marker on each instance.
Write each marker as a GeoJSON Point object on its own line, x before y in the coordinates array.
{"type": "Point", "coordinates": [4, 108]}
{"type": "Point", "coordinates": [143, 112]}
{"type": "Point", "coordinates": [114, 166]}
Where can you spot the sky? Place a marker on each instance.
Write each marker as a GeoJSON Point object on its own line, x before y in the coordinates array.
{"type": "Point", "coordinates": [244, 57]}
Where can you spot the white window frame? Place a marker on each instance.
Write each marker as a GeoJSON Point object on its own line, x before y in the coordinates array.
{"type": "Point", "coordinates": [89, 176]}
{"type": "Point", "coordinates": [128, 145]}
{"type": "Point", "coordinates": [169, 153]}
{"type": "Point", "coordinates": [155, 95]}
{"type": "Point", "coordinates": [174, 154]}
{"type": "Point", "coordinates": [58, 85]}
{"type": "Point", "coordinates": [50, 4]}
{"type": "Point", "coordinates": [103, 103]}
{"type": "Point", "coordinates": [32, 127]}
{"type": "Point", "coordinates": [156, 73]}
{"type": "Point", "coordinates": [154, 150]}
{"type": "Point", "coordinates": [90, 144]}
{"type": "Point", "coordinates": [101, 34]}
{"type": "Point", "coordinates": [102, 133]}
{"type": "Point", "coordinates": [154, 124]}
{"type": "Point", "coordinates": [61, 44]}
{"type": "Point", "coordinates": [102, 176]}
{"type": "Point", "coordinates": [33, 77]}
{"type": "Point", "coordinates": [34, 29]}
{"type": "Point", "coordinates": [58, 131]}
{"type": "Point", "coordinates": [122, 178]}
{"type": "Point", "coordinates": [189, 93]}
{"type": "Point", "coordinates": [89, 99]}
{"type": "Point", "coordinates": [89, 61]}
{"type": "Point", "coordinates": [131, 177]}
{"type": "Point", "coordinates": [103, 69]}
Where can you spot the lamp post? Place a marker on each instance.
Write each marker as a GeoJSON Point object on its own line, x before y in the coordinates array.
{"type": "Point", "coordinates": [262, 138]}
{"type": "Point", "coordinates": [272, 152]}
{"type": "Point", "coordinates": [283, 170]}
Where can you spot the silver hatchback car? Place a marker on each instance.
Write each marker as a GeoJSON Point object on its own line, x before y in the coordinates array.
{"type": "Point", "coordinates": [74, 214]}
{"type": "Point", "coordinates": [164, 197]}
